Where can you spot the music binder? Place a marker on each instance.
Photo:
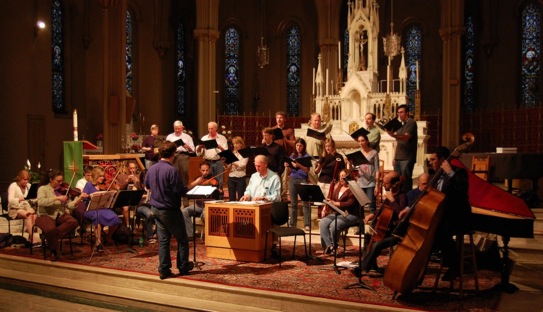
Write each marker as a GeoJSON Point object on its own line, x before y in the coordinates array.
{"type": "Point", "coordinates": [33, 191]}
{"type": "Point", "coordinates": [127, 198]}
{"type": "Point", "coordinates": [316, 134]}
{"type": "Point", "coordinates": [253, 151]}
{"type": "Point", "coordinates": [304, 161]}
{"type": "Point", "coordinates": [357, 158]}
{"type": "Point", "coordinates": [101, 200]}
{"type": "Point", "coordinates": [210, 144]}
{"type": "Point", "coordinates": [179, 142]}
{"type": "Point", "coordinates": [393, 125]}
{"type": "Point", "coordinates": [358, 133]}
{"type": "Point", "coordinates": [228, 156]}
{"type": "Point", "coordinates": [277, 134]}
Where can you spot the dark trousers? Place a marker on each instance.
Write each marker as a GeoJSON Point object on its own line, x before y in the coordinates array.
{"type": "Point", "coordinates": [236, 188]}
{"type": "Point", "coordinates": [54, 229]}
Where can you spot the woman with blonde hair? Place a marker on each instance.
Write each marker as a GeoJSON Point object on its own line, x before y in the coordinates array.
{"type": "Point", "coordinates": [18, 206]}
{"type": "Point", "coordinates": [236, 177]}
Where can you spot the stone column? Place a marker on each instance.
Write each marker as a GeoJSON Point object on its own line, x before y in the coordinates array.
{"type": "Point", "coordinates": [452, 28]}
{"type": "Point", "coordinates": [206, 33]}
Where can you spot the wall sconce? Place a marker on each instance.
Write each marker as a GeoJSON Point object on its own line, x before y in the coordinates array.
{"type": "Point", "coordinates": [39, 26]}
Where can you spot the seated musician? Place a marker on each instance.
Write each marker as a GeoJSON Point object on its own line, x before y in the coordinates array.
{"type": "Point", "coordinates": [100, 217]}
{"type": "Point", "coordinates": [144, 211]}
{"type": "Point", "coordinates": [453, 182]}
{"type": "Point", "coordinates": [87, 174]}
{"type": "Point", "coordinates": [264, 184]}
{"type": "Point", "coordinates": [18, 206]}
{"type": "Point", "coordinates": [129, 181]}
{"type": "Point", "coordinates": [197, 209]}
{"type": "Point", "coordinates": [397, 201]}
{"type": "Point", "coordinates": [413, 194]}
{"type": "Point", "coordinates": [55, 220]}
{"type": "Point", "coordinates": [345, 200]}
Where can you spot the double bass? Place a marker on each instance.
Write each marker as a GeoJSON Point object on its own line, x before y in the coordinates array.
{"type": "Point", "coordinates": [408, 263]}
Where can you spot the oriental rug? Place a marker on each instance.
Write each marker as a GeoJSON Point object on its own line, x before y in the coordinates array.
{"type": "Point", "coordinates": [318, 279]}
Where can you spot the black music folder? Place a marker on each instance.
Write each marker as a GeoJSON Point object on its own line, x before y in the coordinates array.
{"type": "Point", "coordinates": [305, 161]}
{"type": "Point", "coordinates": [228, 156]}
{"type": "Point", "coordinates": [210, 144]}
{"type": "Point", "coordinates": [393, 125]}
{"type": "Point", "coordinates": [358, 133]}
{"type": "Point", "coordinates": [253, 151]}
{"type": "Point", "coordinates": [316, 134]}
{"type": "Point", "coordinates": [357, 158]}
{"type": "Point", "coordinates": [127, 198]}
{"type": "Point", "coordinates": [309, 192]}
{"type": "Point", "coordinates": [33, 191]}
{"type": "Point", "coordinates": [278, 134]}
{"type": "Point", "coordinates": [179, 142]}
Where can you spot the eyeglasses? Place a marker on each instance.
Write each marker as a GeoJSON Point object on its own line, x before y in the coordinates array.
{"type": "Point", "coordinates": [58, 180]}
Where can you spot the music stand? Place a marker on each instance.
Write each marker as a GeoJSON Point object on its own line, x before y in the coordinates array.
{"type": "Point", "coordinates": [128, 198]}
{"type": "Point", "coordinates": [363, 200]}
{"type": "Point", "coordinates": [337, 212]}
{"type": "Point", "coordinates": [199, 192]}
{"type": "Point", "coordinates": [310, 193]}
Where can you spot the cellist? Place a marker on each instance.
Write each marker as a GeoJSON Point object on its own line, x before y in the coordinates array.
{"type": "Point", "coordinates": [456, 219]}
{"type": "Point", "coordinates": [396, 201]}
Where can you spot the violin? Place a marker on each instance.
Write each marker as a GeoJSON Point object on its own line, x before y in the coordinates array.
{"type": "Point", "coordinates": [211, 181]}
{"type": "Point", "coordinates": [65, 189]}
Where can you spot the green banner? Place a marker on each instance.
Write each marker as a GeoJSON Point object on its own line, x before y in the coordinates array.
{"type": "Point", "coordinates": [73, 161]}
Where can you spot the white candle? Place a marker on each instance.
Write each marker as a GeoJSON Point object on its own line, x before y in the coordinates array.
{"type": "Point", "coordinates": [39, 166]}
{"type": "Point", "coordinates": [75, 125]}
{"type": "Point", "coordinates": [339, 54]}
{"type": "Point", "coordinates": [313, 84]}
{"type": "Point", "coordinates": [28, 164]}
{"type": "Point", "coordinates": [417, 72]}
{"type": "Point", "coordinates": [326, 82]}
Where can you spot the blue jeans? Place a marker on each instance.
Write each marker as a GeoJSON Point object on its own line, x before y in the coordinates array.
{"type": "Point", "coordinates": [146, 212]}
{"type": "Point", "coordinates": [329, 236]}
{"type": "Point", "coordinates": [294, 203]}
{"type": "Point", "coordinates": [236, 188]}
{"type": "Point", "coordinates": [189, 212]}
{"type": "Point", "coordinates": [170, 222]}
{"type": "Point", "coordinates": [405, 168]}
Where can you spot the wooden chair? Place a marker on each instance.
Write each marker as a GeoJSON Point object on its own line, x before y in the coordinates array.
{"type": "Point", "coordinates": [279, 216]}
{"type": "Point", "coordinates": [44, 242]}
{"type": "Point", "coordinates": [480, 165]}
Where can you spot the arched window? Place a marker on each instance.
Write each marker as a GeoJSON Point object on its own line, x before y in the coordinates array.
{"type": "Point", "coordinates": [468, 83]}
{"type": "Point", "coordinates": [129, 68]}
{"type": "Point", "coordinates": [345, 55]}
{"type": "Point", "coordinates": [57, 41]}
{"type": "Point", "coordinates": [530, 58]}
{"type": "Point", "coordinates": [181, 68]}
{"type": "Point", "coordinates": [231, 71]}
{"type": "Point", "coordinates": [294, 51]}
{"type": "Point", "coordinates": [413, 48]}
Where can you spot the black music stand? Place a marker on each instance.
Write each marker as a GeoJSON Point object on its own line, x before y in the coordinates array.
{"type": "Point", "coordinates": [310, 193]}
{"type": "Point", "coordinates": [199, 192]}
{"type": "Point", "coordinates": [363, 200]}
{"type": "Point", "coordinates": [129, 198]}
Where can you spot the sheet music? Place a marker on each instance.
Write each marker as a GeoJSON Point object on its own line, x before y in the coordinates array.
{"type": "Point", "coordinates": [101, 200]}
{"type": "Point", "coordinates": [341, 212]}
{"type": "Point", "coordinates": [202, 190]}
{"type": "Point", "coordinates": [360, 196]}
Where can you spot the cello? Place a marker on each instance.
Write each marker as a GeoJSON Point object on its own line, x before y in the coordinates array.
{"type": "Point", "coordinates": [407, 264]}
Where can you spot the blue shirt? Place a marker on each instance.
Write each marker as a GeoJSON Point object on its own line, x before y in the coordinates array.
{"type": "Point", "coordinates": [297, 173]}
{"type": "Point", "coordinates": [268, 186]}
{"type": "Point", "coordinates": [166, 186]}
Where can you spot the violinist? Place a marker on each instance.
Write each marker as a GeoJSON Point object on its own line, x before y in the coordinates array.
{"type": "Point", "coordinates": [397, 201]}
{"type": "Point", "coordinates": [328, 166]}
{"type": "Point", "coordinates": [18, 206]}
{"type": "Point", "coordinates": [197, 209]}
{"type": "Point", "coordinates": [100, 217]}
{"type": "Point", "coordinates": [129, 181]}
{"type": "Point", "coordinates": [54, 220]}
{"type": "Point", "coordinates": [344, 199]}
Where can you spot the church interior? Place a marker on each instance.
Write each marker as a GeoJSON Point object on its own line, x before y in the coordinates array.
{"type": "Point", "coordinates": [124, 65]}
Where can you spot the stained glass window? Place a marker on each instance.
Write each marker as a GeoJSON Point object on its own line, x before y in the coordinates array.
{"type": "Point", "coordinates": [413, 48]}
{"type": "Point", "coordinates": [57, 41]}
{"type": "Point", "coordinates": [468, 83]}
{"type": "Point", "coordinates": [345, 55]}
{"type": "Point", "coordinates": [531, 51]}
{"type": "Point", "coordinates": [231, 71]}
{"type": "Point", "coordinates": [293, 70]}
{"type": "Point", "coordinates": [129, 26]}
{"type": "Point", "coordinates": [181, 70]}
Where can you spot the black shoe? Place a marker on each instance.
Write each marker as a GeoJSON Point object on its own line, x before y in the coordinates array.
{"type": "Point", "coordinates": [274, 253]}
{"type": "Point", "coordinates": [185, 271]}
{"type": "Point", "coordinates": [54, 256]}
{"type": "Point", "coordinates": [100, 248]}
{"type": "Point", "coordinates": [168, 275]}
{"type": "Point", "coordinates": [450, 275]}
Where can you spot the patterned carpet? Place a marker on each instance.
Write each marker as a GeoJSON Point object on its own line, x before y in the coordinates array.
{"type": "Point", "coordinates": [317, 279]}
